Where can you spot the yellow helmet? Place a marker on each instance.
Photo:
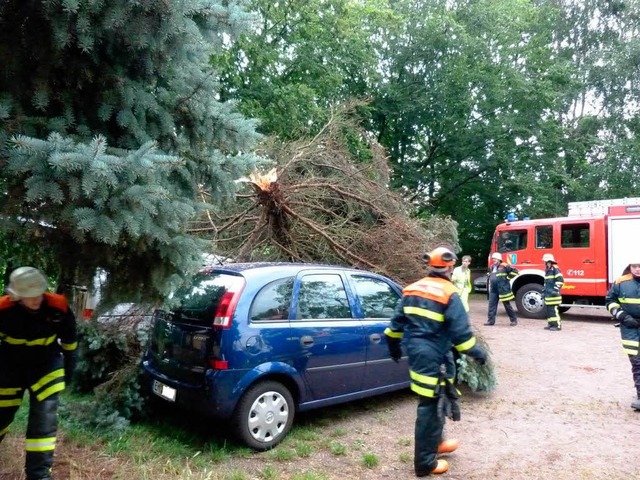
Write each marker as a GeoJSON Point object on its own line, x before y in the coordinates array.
{"type": "Point", "coordinates": [440, 257]}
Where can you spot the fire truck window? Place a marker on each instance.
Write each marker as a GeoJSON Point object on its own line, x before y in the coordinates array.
{"type": "Point", "coordinates": [512, 240]}
{"type": "Point", "coordinates": [544, 236]}
{"type": "Point", "coordinates": [575, 236]}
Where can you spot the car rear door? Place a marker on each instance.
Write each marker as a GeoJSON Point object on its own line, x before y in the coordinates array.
{"type": "Point", "coordinates": [376, 301]}
{"type": "Point", "coordinates": [331, 344]}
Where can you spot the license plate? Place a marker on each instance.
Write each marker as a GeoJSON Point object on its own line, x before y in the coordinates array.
{"type": "Point", "coordinates": [164, 391]}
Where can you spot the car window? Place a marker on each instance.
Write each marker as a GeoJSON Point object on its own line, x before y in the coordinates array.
{"type": "Point", "coordinates": [272, 301]}
{"type": "Point", "coordinates": [322, 296]}
{"type": "Point", "coordinates": [574, 235]}
{"type": "Point", "coordinates": [544, 236]}
{"type": "Point", "coordinates": [377, 298]}
{"type": "Point", "coordinates": [512, 240]}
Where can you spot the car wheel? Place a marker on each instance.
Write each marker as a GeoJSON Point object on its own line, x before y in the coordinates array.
{"type": "Point", "coordinates": [264, 415]}
{"type": "Point", "coordinates": [529, 301]}
{"type": "Point", "coordinates": [563, 309]}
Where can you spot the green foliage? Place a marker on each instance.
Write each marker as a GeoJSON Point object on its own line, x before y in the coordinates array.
{"type": "Point", "coordinates": [111, 132]}
{"type": "Point", "coordinates": [479, 378]}
{"type": "Point", "coordinates": [109, 367]}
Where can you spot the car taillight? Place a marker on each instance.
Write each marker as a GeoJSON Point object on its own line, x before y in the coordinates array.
{"type": "Point", "coordinates": [226, 307]}
{"type": "Point", "coordinates": [219, 364]}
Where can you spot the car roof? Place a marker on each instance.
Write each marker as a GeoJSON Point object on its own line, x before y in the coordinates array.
{"type": "Point", "coordinates": [260, 268]}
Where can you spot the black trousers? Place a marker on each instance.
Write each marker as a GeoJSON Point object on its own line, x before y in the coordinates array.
{"type": "Point", "coordinates": [493, 308]}
{"type": "Point", "coordinates": [44, 381]}
{"type": "Point", "coordinates": [428, 435]}
{"type": "Point", "coordinates": [41, 433]}
{"type": "Point", "coordinates": [635, 371]}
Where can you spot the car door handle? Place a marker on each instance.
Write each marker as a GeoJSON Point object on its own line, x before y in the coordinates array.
{"type": "Point", "coordinates": [588, 260]}
{"type": "Point", "coordinates": [307, 340]}
{"type": "Point", "coordinates": [375, 338]}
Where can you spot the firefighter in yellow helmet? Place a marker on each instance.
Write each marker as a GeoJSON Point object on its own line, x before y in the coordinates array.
{"type": "Point", "coordinates": [38, 341]}
{"type": "Point", "coordinates": [500, 275]}
{"type": "Point", "coordinates": [553, 282]}
{"type": "Point", "coordinates": [432, 320]}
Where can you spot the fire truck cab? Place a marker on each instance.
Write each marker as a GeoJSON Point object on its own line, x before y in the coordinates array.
{"type": "Point", "coordinates": [591, 245]}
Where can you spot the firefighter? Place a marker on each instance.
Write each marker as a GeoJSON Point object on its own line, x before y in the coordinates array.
{"type": "Point", "coordinates": [623, 302]}
{"type": "Point", "coordinates": [500, 276]}
{"type": "Point", "coordinates": [553, 282]}
{"type": "Point", "coordinates": [38, 340]}
{"type": "Point", "coordinates": [433, 320]}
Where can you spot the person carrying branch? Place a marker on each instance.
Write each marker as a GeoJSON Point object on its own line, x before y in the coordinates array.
{"type": "Point", "coordinates": [432, 319]}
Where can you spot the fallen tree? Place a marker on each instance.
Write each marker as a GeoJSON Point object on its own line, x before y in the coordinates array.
{"type": "Point", "coordinates": [326, 200]}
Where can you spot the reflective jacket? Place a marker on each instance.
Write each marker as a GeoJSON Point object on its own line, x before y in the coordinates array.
{"type": "Point", "coordinates": [432, 319]}
{"type": "Point", "coordinates": [625, 294]}
{"type": "Point", "coordinates": [500, 278]}
{"type": "Point", "coordinates": [32, 341]}
{"type": "Point", "coordinates": [553, 282]}
{"type": "Point", "coordinates": [461, 278]}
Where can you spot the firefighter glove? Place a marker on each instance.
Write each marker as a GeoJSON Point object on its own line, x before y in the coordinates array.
{"type": "Point", "coordinates": [627, 320]}
{"type": "Point", "coordinates": [480, 357]}
{"type": "Point", "coordinates": [394, 348]}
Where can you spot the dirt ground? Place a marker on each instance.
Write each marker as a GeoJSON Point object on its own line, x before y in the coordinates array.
{"type": "Point", "coordinates": [560, 411]}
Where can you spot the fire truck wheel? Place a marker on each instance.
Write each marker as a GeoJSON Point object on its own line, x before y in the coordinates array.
{"type": "Point", "coordinates": [529, 301]}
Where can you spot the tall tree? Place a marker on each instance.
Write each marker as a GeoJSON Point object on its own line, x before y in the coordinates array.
{"type": "Point", "coordinates": [110, 121]}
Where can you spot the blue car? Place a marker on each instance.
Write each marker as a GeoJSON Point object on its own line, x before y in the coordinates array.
{"type": "Point", "coordinates": [258, 342]}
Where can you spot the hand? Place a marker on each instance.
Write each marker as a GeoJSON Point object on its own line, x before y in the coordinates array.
{"type": "Point", "coordinates": [481, 358]}
{"type": "Point", "coordinates": [394, 349]}
{"type": "Point", "coordinates": [630, 322]}
{"type": "Point", "coordinates": [627, 320]}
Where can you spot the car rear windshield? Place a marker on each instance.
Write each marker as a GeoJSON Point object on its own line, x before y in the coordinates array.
{"type": "Point", "coordinates": [198, 301]}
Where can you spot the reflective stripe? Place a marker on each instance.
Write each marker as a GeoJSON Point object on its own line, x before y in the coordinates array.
{"type": "Point", "coordinates": [29, 343]}
{"type": "Point", "coordinates": [40, 444]}
{"type": "Point", "coordinates": [9, 391]}
{"type": "Point", "coordinates": [506, 297]}
{"type": "Point", "coordinates": [630, 347]}
{"type": "Point", "coordinates": [612, 306]}
{"type": "Point", "coordinates": [47, 378]}
{"type": "Point", "coordinates": [464, 346]}
{"type": "Point", "coordinates": [425, 392]}
{"type": "Point", "coordinates": [69, 346]}
{"type": "Point", "coordinates": [10, 403]}
{"type": "Point", "coordinates": [423, 378]}
{"type": "Point", "coordinates": [423, 312]}
{"type": "Point", "coordinates": [58, 387]}
{"type": "Point", "coordinates": [390, 333]}
{"type": "Point", "coordinates": [635, 301]}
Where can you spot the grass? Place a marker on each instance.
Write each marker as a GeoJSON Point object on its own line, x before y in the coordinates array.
{"type": "Point", "coordinates": [174, 445]}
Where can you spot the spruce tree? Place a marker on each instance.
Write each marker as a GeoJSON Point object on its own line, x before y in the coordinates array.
{"type": "Point", "coordinates": [112, 135]}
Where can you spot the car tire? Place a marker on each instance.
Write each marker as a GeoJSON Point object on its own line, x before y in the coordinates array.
{"type": "Point", "coordinates": [563, 309]}
{"type": "Point", "coordinates": [529, 301]}
{"type": "Point", "coordinates": [264, 415]}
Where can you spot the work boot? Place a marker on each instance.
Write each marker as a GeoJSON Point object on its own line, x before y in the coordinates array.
{"type": "Point", "coordinates": [489, 323]}
{"type": "Point", "coordinates": [448, 446]}
{"type": "Point", "coordinates": [514, 323]}
{"type": "Point", "coordinates": [441, 467]}
{"type": "Point", "coordinates": [635, 405]}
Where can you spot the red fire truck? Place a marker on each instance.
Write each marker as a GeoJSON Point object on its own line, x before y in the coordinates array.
{"type": "Point", "coordinates": [592, 246]}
